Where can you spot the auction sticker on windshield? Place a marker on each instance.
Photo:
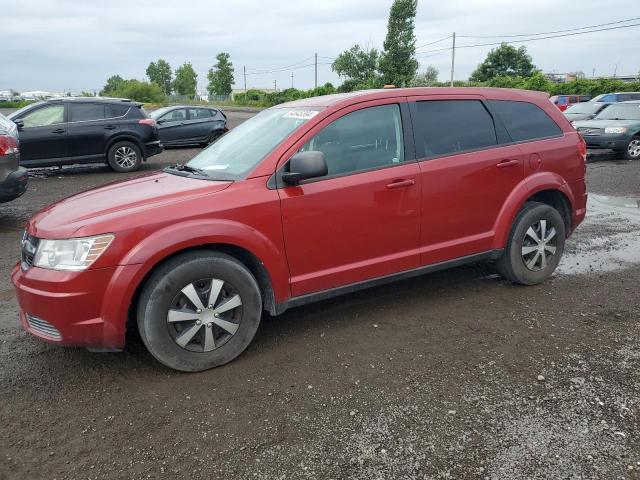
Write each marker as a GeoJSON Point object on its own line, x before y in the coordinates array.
{"type": "Point", "coordinates": [301, 114]}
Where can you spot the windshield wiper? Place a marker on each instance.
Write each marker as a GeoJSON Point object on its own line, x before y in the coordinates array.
{"type": "Point", "coordinates": [188, 168]}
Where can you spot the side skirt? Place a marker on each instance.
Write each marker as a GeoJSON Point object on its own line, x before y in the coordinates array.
{"type": "Point", "coordinates": [354, 287]}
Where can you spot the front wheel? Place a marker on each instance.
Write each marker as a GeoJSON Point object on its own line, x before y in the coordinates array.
{"type": "Point", "coordinates": [124, 157]}
{"type": "Point", "coordinates": [198, 311]}
{"type": "Point", "coordinates": [633, 149]}
{"type": "Point", "coordinates": [535, 245]}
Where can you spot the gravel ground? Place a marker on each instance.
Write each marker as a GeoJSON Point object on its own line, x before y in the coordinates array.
{"type": "Point", "coordinates": [453, 375]}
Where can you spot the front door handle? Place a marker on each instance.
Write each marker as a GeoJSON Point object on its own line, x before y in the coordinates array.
{"type": "Point", "coordinates": [58, 130]}
{"type": "Point", "coordinates": [508, 163]}
{"type": "Point", "coordinates": [110, 127]}
{"type": "Point", "coordinates": [401, 183]}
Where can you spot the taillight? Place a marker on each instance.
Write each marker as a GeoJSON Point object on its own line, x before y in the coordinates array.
{"type": "Point", "coordinates": [582, 147]}
{"type": "Point", "coordinates": [147, 121]}
{"type": "Point", "coordinates": [8, 145]}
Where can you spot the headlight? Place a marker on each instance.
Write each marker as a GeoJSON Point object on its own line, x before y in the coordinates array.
{"type": "Point", "coordinates": [71, 254]}
{"type": "Point", "coordinates": [615, 130]}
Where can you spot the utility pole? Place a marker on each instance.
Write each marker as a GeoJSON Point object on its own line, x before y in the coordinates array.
{"type": "Point", "coordinates": [453, 57]}
{"type": "Point", "coordinates": [615, 69]}
{"type": "Point", "coordinates": [316, 55]}
{"type": "Point", "coordinates": [291, 79]}
{"type": "Point", "coordinates": [244, 73]}
{"type": "Point", "coordinates": [275, 85]}
{"type": "Point", "coordinates": [593, 73]}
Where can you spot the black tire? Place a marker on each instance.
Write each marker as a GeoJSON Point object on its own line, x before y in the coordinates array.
{"type": "Point", "coordinates": [168, 283]}
{"type": "Point", "coordinates": [513, 263]}
{"type": "Point", "coordinates": [124, 157]}
{"type": "Point", "coordinates": [632, 152]}
{"type": "Point", "coordinates": [215, 135]}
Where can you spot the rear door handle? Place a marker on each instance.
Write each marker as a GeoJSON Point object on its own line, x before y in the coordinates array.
{"type": "Point", "coordinates": [58, 130]}
{"type": "Point", "coordinates": [110, 127]}
{"type": "Point", "coordinates": [508, 163]}
{"type": "Point", "coordinates": [401, 183]}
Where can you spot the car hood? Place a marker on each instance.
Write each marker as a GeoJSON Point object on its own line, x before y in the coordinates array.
{"type": "Point", "coordinates": [75, 215]}
{"type": "Point", "coordinates": [606, 123]}
{"type": "Point", "coordinates": [572, 117]}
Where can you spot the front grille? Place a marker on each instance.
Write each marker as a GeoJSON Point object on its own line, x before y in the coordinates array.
{"type": "Point", "coordinates": [589, 131]}
{"type": "Point", "coordinates": [43, 327]}
{"type": "Point", "coordinates": [29, 247]}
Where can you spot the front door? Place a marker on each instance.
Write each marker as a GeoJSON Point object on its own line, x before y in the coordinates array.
{"type": "Point", "coordinates": [44, 134]}
{"type": "Point", "coordinates": [361, 221]}
{"type": "Point", "coordinates": [171, 126]}
{"type": "Point", "coordinates": [467, 171]}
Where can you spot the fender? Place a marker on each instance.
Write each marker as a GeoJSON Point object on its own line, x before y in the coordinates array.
{"type": "Point", "coordinates": [141, 259]}
{"type": "Point", "coordinates": [521, 193]}
{"type": "Point", "coordinates": [121, 137]}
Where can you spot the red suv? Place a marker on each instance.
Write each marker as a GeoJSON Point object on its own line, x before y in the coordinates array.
{"type": "Point", "coordinates": [305, 201]}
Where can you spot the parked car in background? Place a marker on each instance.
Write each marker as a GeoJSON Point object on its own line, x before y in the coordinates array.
{"type": "Point", "coordinates": [13, 177]}
{"type": "Point", "coordinates": [584, 110]}
{"type": "Point", "coordinates": [303, 202]}
{"type": "Point", "coordinates": [189, 125]}
{"type": "Point", "coordinates": [564, 101]}
{"type": "Point", "coordinates": [617, 127]}
{"type": "Point", "coordinates": [65, 131]}
{"type": "Point", "coordinates": [617, 97]}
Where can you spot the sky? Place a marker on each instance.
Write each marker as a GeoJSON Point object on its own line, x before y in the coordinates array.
{"type": "Point", "coordinates": [71, 45]}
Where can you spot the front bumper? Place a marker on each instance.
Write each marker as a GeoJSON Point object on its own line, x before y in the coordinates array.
{"type": "Point", "coordinates": [87, 309]}
{"type": "Point", "coordinates": [14, 185]}
{"type": "Point", "coordinates": [152, 148]}
{"type": "Point", "coordinates": [609, 141]}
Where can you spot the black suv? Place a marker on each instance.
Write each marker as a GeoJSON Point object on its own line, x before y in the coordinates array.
{"type": "Point", "coordinates": [13, 177]}
{"type": "Point", "coordinates": [86, 130]}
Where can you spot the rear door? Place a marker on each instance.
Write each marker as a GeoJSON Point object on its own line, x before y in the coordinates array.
{"type": "Point", "coordinates": [362, 220]}
{"type": "Point", "coordinates": [89, 129]}
{"type": "Point", "coordinates": [466, 174]}
{"type": "Point", "coordinates": [44, 134]}
{"type": "Point", "coordinates": [171, 126]}
{"type": "Point", "coordinates": [200, 124]}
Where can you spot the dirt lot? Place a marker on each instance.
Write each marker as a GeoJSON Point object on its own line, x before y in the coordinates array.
{"type": "Point", "coordinates": [452, 375]}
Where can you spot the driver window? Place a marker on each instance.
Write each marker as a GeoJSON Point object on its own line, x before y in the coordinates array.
{"type": "Point", "coordinates": [44, 116]}
{"type": "Point", "coordinates": [361, 140]}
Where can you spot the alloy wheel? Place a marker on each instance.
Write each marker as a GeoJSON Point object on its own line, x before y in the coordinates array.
{"type": "Point", "coordinates": [634, 148]}
{"type": "Point", "coordinates": [126, 157]}
{"type": "Point", "coordinates": [538, 246]}
{"type": "Point", "coordinates": [204, 315]}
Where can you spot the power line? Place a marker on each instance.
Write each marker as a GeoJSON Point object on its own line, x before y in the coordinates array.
{"type": "Point", "coordinates": [277, 69]}
{"type": "Point", "coordinates": [548, 33]}
{"type": "Point", "coordinates": [433, 43]}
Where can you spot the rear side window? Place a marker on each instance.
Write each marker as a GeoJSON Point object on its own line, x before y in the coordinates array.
{"type": "Point", "coordinates": [199, 113]}
{"type": "Point", "coordinates": [115, 111]}
{"type": "Point", "coordinates": [607, 98]}
{"type": "Point", "coordinates": [446, 127]}
{"type": "Point", "coordinates": [82, 112]}
{"type": "Point", "coordinates": [525, 121]}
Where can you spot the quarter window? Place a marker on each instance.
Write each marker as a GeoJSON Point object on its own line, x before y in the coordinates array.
{"type": "Point", "coordinates": [82, 112]}
{"type": "Point", "coordinates": [44, 116]}
{"type": "Point", "coordinates": [361, 140]}
{"type": "Point", "coordinates": [115, 111]}
{"type": "Point", "coordinates": [447, 127]}
{"type": "Point", "coordinates": [525, 121]}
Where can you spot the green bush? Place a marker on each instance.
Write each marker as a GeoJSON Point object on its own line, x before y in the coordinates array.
{"type": "Point", "coordinates": [144, 92]}
{"type": "Point", "coordinates": [16, 103]}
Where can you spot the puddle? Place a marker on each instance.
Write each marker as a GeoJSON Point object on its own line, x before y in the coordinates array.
{"type": "Point", "coordinates": [608, 239]}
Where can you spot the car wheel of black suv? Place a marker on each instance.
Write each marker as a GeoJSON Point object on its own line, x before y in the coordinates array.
{"type": "Point", "coordinates": [199, 310]}
{"type": "Point", "coordinates": [535, 245]}
{"type": "Point", "coordinates": [632, 151]}
{"type": "Point", "coordinates": [124, 157]}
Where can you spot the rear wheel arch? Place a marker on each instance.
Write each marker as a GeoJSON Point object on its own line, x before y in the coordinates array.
{"type": "Point", "coordinates": [558, 200]}
{"type": "Point", "coordinates": [124, 138]}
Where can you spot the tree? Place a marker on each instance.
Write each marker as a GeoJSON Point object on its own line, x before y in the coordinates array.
{"type": "Point", "coordinates": [185, 80]}
{"type": "Point", "coordinates": [221, 76]}
{"type": "Point", "coordinates": [357, 65]}
{"type": "Point", "coordinates": [160, 74]}
{"type": "Point", "coordinates": [113, 83]}
{"type": "Point", "coordinates": [398, 64]}
{"type": "Point", "coordinates": [428, 78]}
{"type": "Point", "coordinates": [504, 61]}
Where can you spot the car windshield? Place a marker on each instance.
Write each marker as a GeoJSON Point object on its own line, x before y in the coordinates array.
{"type": "Point", "coordinates": [19, 112]}
{"type": "Point", "coordinates": [159, 112]}
{"type": "Point", "coordinates": [584, 107]}
{"type": "Point", "coordinates": [243, 148]}
{"type": "Point", "coordinates": [619, 111]}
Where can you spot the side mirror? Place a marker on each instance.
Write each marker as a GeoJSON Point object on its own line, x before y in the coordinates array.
{"type": "Point", "coordinates": [160, 122]}
{"type": "Point", "coordinates": [19, 124]}
{"type": "Point", "coordinates": [304, 165]}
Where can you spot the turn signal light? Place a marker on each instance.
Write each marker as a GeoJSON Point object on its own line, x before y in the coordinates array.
{"type": "Point", "coordinates": [582, 147]}
{"type": "Point", "coordinates": [8, 145]}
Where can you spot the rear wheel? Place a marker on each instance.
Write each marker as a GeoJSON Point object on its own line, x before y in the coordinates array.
{"type": "Point", "coordinates": [124, 157]}
{"type": "Point", "coordinates": [633, 149]}
{"type": "Point", "coordinates": [535, 245]}
{"type": "Point", "coordinates": [215, 135]}
{"type": "Point", "coordinates": [198, 311]}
